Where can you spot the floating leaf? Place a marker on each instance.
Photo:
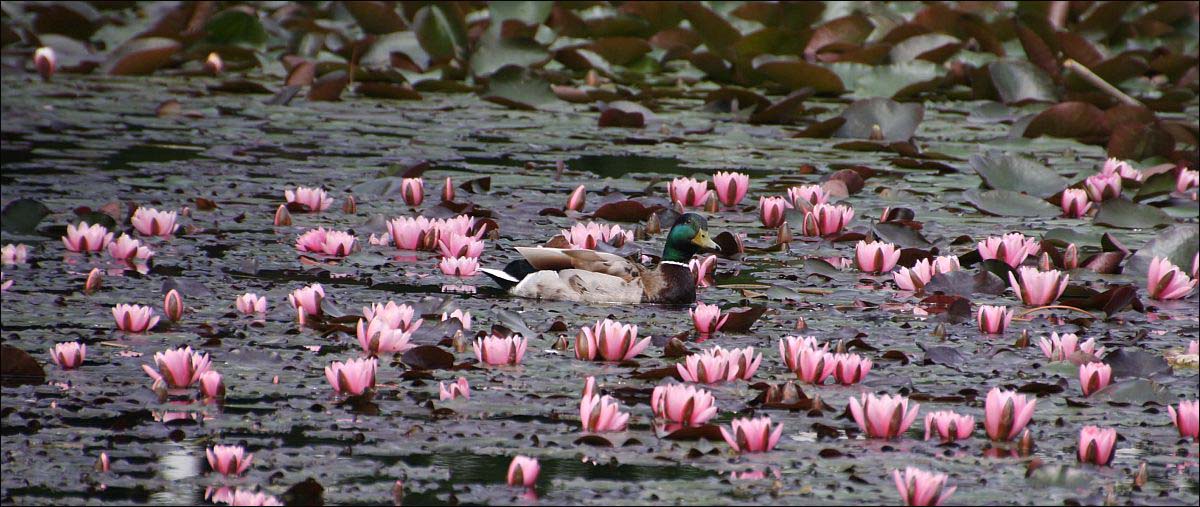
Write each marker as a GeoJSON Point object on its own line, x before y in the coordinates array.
{"type": "Point", "coordinates": [18, 368]}
{"type": "Point", "coordinates": [1020, 174]}
{"type": "Point", "coordinates": [897, 121]}
{"type": "Point", "coordinates": [1007, 203]}
{"type": "Point", "coordinates": [527, 12]}
{"type": "Point", "coordinates": [796, 74]}
{"type": "Point", "coordinates": [1178, 243]}
{"type": "Point", "coordinates": [376, 17]}
{"type": "Point", "coordinates": [1074, 120]}
{"type": "Point", "coordinates": [494, 53]}
{"type": "Point", "coordinates": [440, 31]}
{"type": "Point", "coordinates": [1020, 81]}
{"type": "Point", "coordinates": [1127, 214]}
{"type": "Point", "coordinates": [518, 88]}
{"type": "Point", "coordinates": [141, 56]}
{"type": "Point", "coordinates": [235, 26]}
{"type": "Point", "coordinates": [428, 357]}
{"type": "Point", "coordinates": [868, 81]}
{"type": "Point", "coordinates": [23, 215]}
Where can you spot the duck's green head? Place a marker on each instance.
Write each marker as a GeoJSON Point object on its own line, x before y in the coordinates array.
{"type": "Point", "coordinates": [686, 238]}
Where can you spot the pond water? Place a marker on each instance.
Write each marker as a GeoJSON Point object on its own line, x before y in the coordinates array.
{"type": "Point", "coordinates": [88, 141]}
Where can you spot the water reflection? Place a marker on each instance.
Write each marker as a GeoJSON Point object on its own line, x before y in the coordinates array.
{"type": "Point", "coordinates": [180, 462]}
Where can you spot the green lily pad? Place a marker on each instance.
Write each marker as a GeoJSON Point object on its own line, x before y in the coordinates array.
{"type": "Point", "coordinates": [441, 32]}
{"type": "Point", "coordinates": [519, 88]}
{"type": "Point", "coordinates": [235, 26]}
{"type": "Point", "coordinates": [897, 121]}
{"type": "Point", "coordinates": [1127, 214]}
{"type": "Point", "coordinates": [913, 47]}
{"type": "Point", "coordinates": [495, 52]}
{"type": "Point", "coordinates": [23, 215]}
{"type": "Point", "coordinates": [1021, 81]}
{"type": "Point", "coordinates": [884, 80]}
{"type": "Point", "coordinates": [529, 13]}
{"type": "Point", "coordinates": [1178, 243]}
{"type": "Point", "coordinates": [1020, 174]}
{"type": "Point", "coordinates": [1007, 203]}
{"type": "Point", "coordinates": [1159, 184]}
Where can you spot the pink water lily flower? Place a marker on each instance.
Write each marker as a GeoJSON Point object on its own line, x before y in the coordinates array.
{"type": "Point", "coordinates": [587, 236]}
{"type": "Point", "coordinates": [315, 199]}
{"type": "Point", "coordinates": [945, 264]}
{"type": "Point", "coordinates": [1121, 168]}
{"type": "Point", "coordinates": [212, 385]}
{"type": "Point", "coordinates": [771, 211]}
{"type": "Point", "coordinates": [752, 435]}
{"type": "Point", "coordinates": [1165, 281]}
{"type": "Point", "coordinates": [745, 359]}
{"type": "Point", "coordinates": [4, 284]}
{"type": "Point", "coordinates": [178, 368]}
{"type": "Point", "coordinates": [731, 187]}
{"type": "Point", "coordinates": [707, 368]}
{"type": "Point", "coordinates": [460, 224]}
{"type": "Point", "coordinates": [378, 337]}
{"type": "Point", "coordinates": [802, 355]}
{"type": "Point", "coordinates": [576, 200]}
{"type": "Point", "coordinates": [1060, 347]}
{"type": "Point", "coordinates": [1012, 248]}
{"type": "Point", "coordinates": [459, 266]}
{"type": "Point", "coordinates": [331, 242]}
{"type": "Point", "coordinates": [1097, 445]}
{"type": "Point", "coordinates": [244, 497]}
{"type": "Point", "coordinates": [812, 195]}
{"type": "Point", "coordinates": [125, 248]}
{"type": "Point", "coordinates": [914, 279]}
{"type": "Point", "coordinates": [523, 471]}
{"type": "Point", "coordinates": [69, 355]}
{"type": "Point", "coordinates": [948, 426]}
{"type": "Point", "coordinates": [682, 403]}
{"type": "Point", "coordinates": [134, 318]}
{"type": "Point", "coordinates": [1103, 186]}
{"type": "Point", "coordinates": [353, 377]}
{"type": "Point", "coordinates": [456, 389]}
{"type": "Point", "coordinates": [884, 416]}
{"type": "Point", "coordinates": [688, 192]}
{"type": "Point", "coordinates": [464, 318]}
{"type": "Point", "coordinates": [308, 299]}
{"type": "Point", "coordinates": [152, 222]}
{"type": "Point", "coordinates": [1186, 418]}
{"type": "Point", "coordinates": [993, 319]}
{"type": "Point", "coordinates": [457, 245]}
{"type": "Point", "coordinates": [702, 270]}
{"type": "Point", "coordinates": [412, 190]}
{"type": "Point", "coordinates": [849, 369]}
{"type": "Point", "coordinates": [251, 303]}
{"type": "Point", "coordinates": [1193, 347]}
{"type": "Point", "coordinates": [409, 233]}
{"type": "Point", "coordinates": [1075, 203]}
{"type": "Point", "coordinates": [1196, 266]}
{"type": "Point", "coordinates": [14, 254]}
{"type": "Point", "coordinates": [87, 238]}
{"type": "Point", "coordinates": [45, 62]}
{"type": "Point", "coordinates": [1037, 288]}
{"type": "Point", "coordinates": [601, 414]}
{"type": "Point", "coordinates": [229, 459]}
{"type": "Point", "coordinates": [826, 220]}
{"type": "Point", "coordinates": [609, 340]}
{"type": "Point", "coordinates": [707, 318]}
{"type": "Point", "coordinates": [499, 351]}
{"type": "Point", "coordinates": [1094, 377]}
{"type": "Point", "coordinates": [918, 487]}
{"type": "Point", "coordinates": [876, 256]}
{"type": "Point", "coordinates": [1186, 180]}
{"type": "Point", "coordinates": [1006, 413]}
{"type": "Point", "coordinates": [397, 316]}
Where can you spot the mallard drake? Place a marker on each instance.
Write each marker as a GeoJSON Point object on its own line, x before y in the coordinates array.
{"type": "Point", "coordinates": [597, 277]}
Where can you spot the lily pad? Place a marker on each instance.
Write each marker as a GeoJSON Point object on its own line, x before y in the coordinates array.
{"type": "Point", "coordinates": [519, 88]}
{"type": "Point", "coordinates": [440, 31]}
{"type": "Point", "coordinates": [235, 26]}
{"type": "Point", "coordinates": [1007, 203]}
{"type": "Point", "coordinates": [1005, 171]}
{"type": "Point", "coordinates": [1126, 214]}
{"type": "Point", "coordinates": [797, 74]}
{"type": "Point", "coordinates": [1020, 81]}
{"type": "Point", "coordinates": [23, 215]}
{"type": "Point", "coordinates": [141, 56]}
{"type": "Point", "coordinates": [1178, 243]}
{"type": "Point", "coordinates": [897, 121]}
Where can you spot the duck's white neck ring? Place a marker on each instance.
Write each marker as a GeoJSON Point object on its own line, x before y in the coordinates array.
{"type": "Point", "coordinates": [676, 264]}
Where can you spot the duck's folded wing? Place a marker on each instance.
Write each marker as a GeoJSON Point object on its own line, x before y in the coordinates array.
{"type": "Point", "coordinates": [557, 259]}
{"type": "Point", "coordinates": [579, 285]}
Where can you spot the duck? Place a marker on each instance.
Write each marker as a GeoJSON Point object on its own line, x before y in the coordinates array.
{"type": "Point", "coordinates": [589, 276]}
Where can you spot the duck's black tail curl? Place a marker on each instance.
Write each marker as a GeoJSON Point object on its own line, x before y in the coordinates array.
{"type": "Point", "coordinates": [512, 274]}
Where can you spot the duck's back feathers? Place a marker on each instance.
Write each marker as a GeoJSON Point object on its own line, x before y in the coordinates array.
{"type": "Point", "coordinates": [579, 285]}
{"type": "Point", "coordinates": [557, 259]}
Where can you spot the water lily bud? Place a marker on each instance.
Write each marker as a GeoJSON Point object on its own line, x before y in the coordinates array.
{"type": "Point", "coordinates": [102, 463]}
{"type": "Point", "coordinates": [785, 233]}
{"type": "Point", "coordinates": [801, 324]}
{"type": "Point", "coordinates": [1071, 257]}
{"type": "Point", "coordinates": [94, 280]}
{"type": "Point", "coordinates": [448, 190]}
{"type": "Point", "coordinates": [351, 205]}
{"type": "Point", "coordinates": [577, 198]}
{"type": "Point", "coordinates": [398, 494]}
{"type": "Point", "coordinates": [1023, 340]}
{"type": "Point", "coordinates": [876, 132]}
{"type": "Point", "coordinates": [213, 64]}
{"type": "Point", "coordinates": [1044, 263]}
{"type": "Point", "coordinates": [711, 205]}
{"type": "Point", "coordinates": [45, 62]}
{"type": "Point", "coordinates": [459, 342]}
{"type": "Point", "coordinates": [173, 306]}
{"type": "Point", "coordinates": [283, 218]}
{"type": "Point", "coordinates": [653, 225]}
{"type": "Point", "coordinates": [1025, 446]}
{"type": "Point", "coordinates": [562, 343]}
